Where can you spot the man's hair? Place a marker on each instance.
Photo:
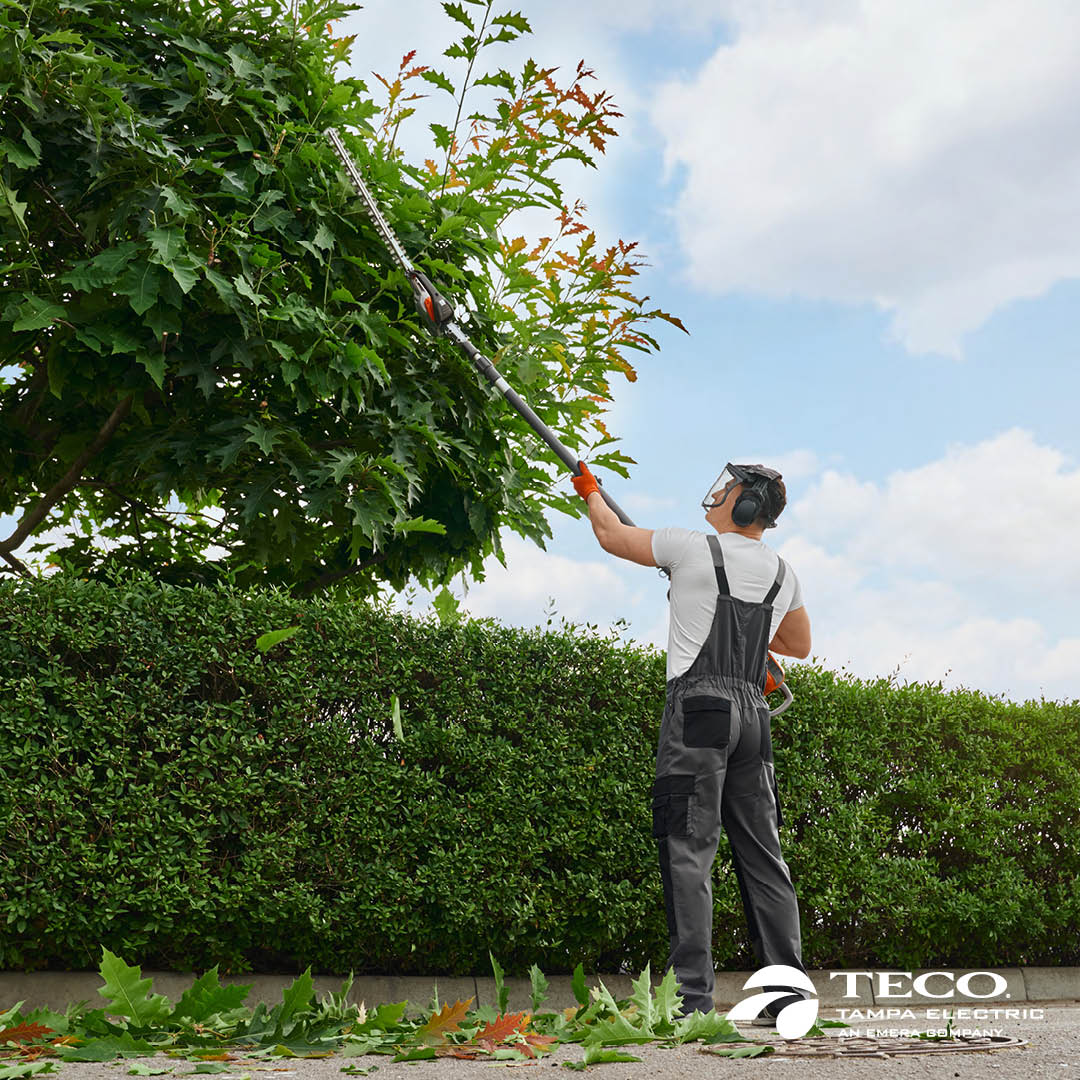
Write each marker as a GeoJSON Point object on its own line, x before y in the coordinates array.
{"type": "Point", "coordinates": [775, 501]}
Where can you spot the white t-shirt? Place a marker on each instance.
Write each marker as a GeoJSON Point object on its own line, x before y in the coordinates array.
{"type": "Point", "coordinates": [751, 567]}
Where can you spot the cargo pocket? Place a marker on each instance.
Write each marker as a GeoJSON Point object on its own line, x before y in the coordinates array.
{"type": "Point", "coordinates": [766, 734]}
{"type": "Point", "coordinates": [770, 775]}
{"type": "Point", "coordinates": [776, 799]}
{"type": "Point", "coordinates": [671, 804]}
{"type": "Point", "coordinates": [706, 722]}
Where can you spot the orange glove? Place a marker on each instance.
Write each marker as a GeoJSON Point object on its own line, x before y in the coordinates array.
{"type": "Point", "coordinates": [585, 484]}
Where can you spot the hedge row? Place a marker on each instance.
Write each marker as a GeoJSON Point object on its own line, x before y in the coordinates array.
{"type": "Point", "coordinates": [177, 795]}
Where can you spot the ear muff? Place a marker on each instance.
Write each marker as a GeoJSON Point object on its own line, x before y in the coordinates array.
{"type": "Point", "coordinates": [749, 503]}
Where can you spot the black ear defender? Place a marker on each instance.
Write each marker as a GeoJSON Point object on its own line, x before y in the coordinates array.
{"type": "Point", "coordinates": [754, 497]}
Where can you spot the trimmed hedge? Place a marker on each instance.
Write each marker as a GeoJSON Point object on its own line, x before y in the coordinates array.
{"type": "Point", "coordinates": [176, 795]}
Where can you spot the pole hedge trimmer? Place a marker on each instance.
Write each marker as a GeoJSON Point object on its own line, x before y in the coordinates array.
{"type": "Point", "coordinates": [438, 315]}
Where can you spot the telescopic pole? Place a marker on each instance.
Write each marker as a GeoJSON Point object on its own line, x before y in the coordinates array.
{"type": "Point", "coordinates": [437, 314]}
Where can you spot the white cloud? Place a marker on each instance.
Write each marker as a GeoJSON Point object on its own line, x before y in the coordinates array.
{"type": "Point", "coordinates": [1004, 510]}
{"type": "Point", "coordinates": [954, 570]}
{"type": "Point", "coordinates": [535, 582]}
{"type": "Point", "coordinates": [643, 503]}
{"type": "Point", "coordinates": [919, 156]}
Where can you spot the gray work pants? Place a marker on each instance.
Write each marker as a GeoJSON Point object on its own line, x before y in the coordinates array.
{"type": "Point", "coordinates": [698, 790]}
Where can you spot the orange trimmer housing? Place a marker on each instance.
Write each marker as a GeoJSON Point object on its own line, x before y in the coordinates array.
{"type": "Point", "coordinates": [774, 680]}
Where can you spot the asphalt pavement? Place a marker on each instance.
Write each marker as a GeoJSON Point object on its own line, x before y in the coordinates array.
{"type": "Point", "coordinates": [1050, 1030]}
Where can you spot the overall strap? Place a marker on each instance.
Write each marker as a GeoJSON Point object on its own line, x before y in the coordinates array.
{"type": "Point", "coordinates": [718, 563]}
{"type": "Point", "coordinates": [770, 596]}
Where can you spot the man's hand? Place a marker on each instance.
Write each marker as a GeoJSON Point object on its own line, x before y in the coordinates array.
{"type": "Point", "coordinates": [585, 483]}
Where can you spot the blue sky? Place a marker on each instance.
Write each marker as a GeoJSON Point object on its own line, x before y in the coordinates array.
{"type": "Point", "coordinates": [866, 214]}
{"type": "Point", "coordinates": [877, 256]}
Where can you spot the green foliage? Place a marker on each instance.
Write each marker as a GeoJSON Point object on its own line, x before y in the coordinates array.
{"type": "Point", "coordinates": [195, 801]}
{"type": "Point", "coordinates": [211, 362]}
{"type": "Point", "coordinates": [210, 1026]}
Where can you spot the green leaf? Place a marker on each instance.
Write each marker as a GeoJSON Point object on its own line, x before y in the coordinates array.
{"type": "Point", "coordinates": [443, 136]}
{"type": "Point", "coordinates": [296, 997]}
{"type": "Point", "coordinates": [446, 606]}
{"type": "Point", "coordinates": [84, 277]}
{"type": "Point", "coordinates": [616, 1030]}
{"type": "Point", "coordinates": [529, 368]}
{"type": "Point", "coordinates": [502, 995]}
{"type": "Point", "coordinates": [18, 155]}
{"type": "Point", "coordinates": [395, 718]}
{"type": "Point", "coordinates": [699, 1025]}
{"type": "Point", "coordinates": [499, 78]}
{"type": "Point", "coordinates": [108, 1048]}
{"type": "Point", "coordinates": [36, 313]}
{"type": "Point", "coordinates": [272, 637]}
{"type": "Point", "coordinates": [28, 138]}
{"type": "Point", "coordinates": [175, 203]}
{"type": "Point", "coordinates": [140, 284]}
{"type": "Point", "coordinates": [420, 525]}
{"type": "Point", "coordinates": [263, 436]}
{"type": "Point", "coordinates": [577, 984]}
{"type": "Point", "coordinates": [754, 1050]}
{"type": "Point", "coordinates": [436, 78]}
{"type": "Point", "coordinates": [129, 996]}
{"type": "Point", "coordinates": [420, 1053]}
{"type": "Point", "coordinates": [515, 20]}
{"type": "Point", "coordinates": [207, 996]}
{"type": "Point", "coordinates": [385, 1017]}
{"type": "Point", "coordinates": [167, 243]}
{"type": "Point", "coordinates": [221, 284]}
{"type": "Point", "coordinates": [243, 287]}
{"type": "Point", "coordinates": [61, 37]}
{"type": "Point", "coordinates": [15, 208]}
{"type": "Point", "coordinates": [668, 999]}
{"type": "Point", "coordinates": [162, 320]}
{"type": "Point", "coordinates": [539, 987]}
{"type": "Point", "coordinates": [458, 14]}
{"type": "Point", "coordinates": [111, 261]}
{"type": "Point", "coordinates": [323, 238]}
{"type": "Point", "coordinates": [26, 1069]}
{"type": "Point", "coordinates": [598, 1055]}
{"type": "Point", "coordinates": [643, 999]}
{"type": "Point", "coordinates": [154, 363]}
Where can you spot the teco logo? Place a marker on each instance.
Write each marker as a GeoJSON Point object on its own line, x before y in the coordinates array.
{"type": "Point", "coordinates": [889, 983]}
{"type": "Point", "coordinates": [794, 1020]}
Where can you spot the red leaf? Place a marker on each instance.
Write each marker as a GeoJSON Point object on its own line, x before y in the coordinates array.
{"type": "Point", "coordinates": [501, 1029]}
{"type": "Point", "coordinates": [25, 1033]}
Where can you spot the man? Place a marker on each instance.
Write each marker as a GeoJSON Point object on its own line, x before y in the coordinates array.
{"type": "Point", "coordinates": [732, 599]}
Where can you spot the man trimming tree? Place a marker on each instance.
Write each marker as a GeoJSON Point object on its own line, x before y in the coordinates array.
{"type": "Point", "coordinates": [732, 600]}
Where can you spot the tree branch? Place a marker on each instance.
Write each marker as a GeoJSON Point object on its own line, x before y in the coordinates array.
{"type": "Point", "coordinates": [148, 510]}
{"type": "Point", "coordinates": [33, 517]}
{"type": "Point", "coordinates": [20, 567]}
{"type": "Point", "coordinates": [336, 575]}
{"type": "Point", "coordinates": [49, 196]}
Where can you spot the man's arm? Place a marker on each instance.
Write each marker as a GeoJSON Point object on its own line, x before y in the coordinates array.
{"type": "Point", "coordinates": [792, 637]}
{"type": "Point", "coordinates": [625, 541]}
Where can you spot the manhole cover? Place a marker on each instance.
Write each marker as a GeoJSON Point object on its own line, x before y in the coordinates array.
{"type": "Point", "coordinates": [833, 1046]}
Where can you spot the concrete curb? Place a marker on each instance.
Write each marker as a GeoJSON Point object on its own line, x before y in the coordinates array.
{"type": "Point", "coordinates": [57, 989]}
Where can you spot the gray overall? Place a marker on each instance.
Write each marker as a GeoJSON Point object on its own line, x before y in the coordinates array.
{"type": "Point", "coordinates": [714, 765]}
